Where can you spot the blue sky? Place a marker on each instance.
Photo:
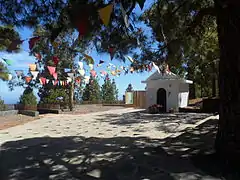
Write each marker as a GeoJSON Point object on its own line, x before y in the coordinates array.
{"type": "Point", "coordinates": [22, 59]}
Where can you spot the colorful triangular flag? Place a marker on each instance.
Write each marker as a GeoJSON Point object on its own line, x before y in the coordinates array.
{"type": "Point", "coordinates": [32, 67]}
{"type": "Point", "coordinates": [34, 74]}
{"type": "Point", "coordinates": [8, 61]}
{"type": "Point", "coordinates": [51, 69]}
{"type": "Point", "coordinates": [33, 41]}
{"type": "Point", "coordinates": [105, 14]}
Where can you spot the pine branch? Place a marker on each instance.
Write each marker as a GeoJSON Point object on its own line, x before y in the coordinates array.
{"type": "Point", "coordinates": [209, 11]}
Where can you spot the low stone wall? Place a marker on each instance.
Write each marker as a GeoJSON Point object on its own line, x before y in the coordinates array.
{"type": "Point", "coordinates": [29, 113]}
{"type": "Point", "coordinates": [8, 113]}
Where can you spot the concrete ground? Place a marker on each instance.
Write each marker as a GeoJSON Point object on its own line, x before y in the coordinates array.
{"type": "Point", "coordinates": [117, 144]}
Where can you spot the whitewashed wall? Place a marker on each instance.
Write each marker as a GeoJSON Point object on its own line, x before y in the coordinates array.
{"type": "Point", "coordinates": [172, 91]}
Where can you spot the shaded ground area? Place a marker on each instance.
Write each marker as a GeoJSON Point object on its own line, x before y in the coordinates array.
{"type": "Point", "coordinates": [142, 121]}
{"type": "Point", "coordinates": [115, 158]}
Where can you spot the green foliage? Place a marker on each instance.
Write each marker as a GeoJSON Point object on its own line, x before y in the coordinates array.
{"type": "Point", "coordinates": [115, 90]}
{"type": "Point", "coordinates": [28, 98]}
{"type": "Point", "coordinates": [3, 72]}
{"type": "Point", "coordinates": [53, 96]}
{"type": "Point", "coordinates": [109, 91]}
{"type": "Point", "coordinates": [3, 107]}
{"type": "Point", "coordinates": [92, 91]}
{"type": "Point", "coordinates": [7, 34]}
{"type": "Point", "coordinates": [60, 16]}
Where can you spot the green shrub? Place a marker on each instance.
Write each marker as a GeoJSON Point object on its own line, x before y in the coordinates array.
{"type": "Point", "coordinates": [3, 107]}
{"type": "Point", "coordinates": [55, 96]}
{"type": "Point", "coordinates": [28, 98]}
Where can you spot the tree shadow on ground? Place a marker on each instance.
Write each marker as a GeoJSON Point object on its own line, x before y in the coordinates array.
{"type": "Point", "coordinates": [117, 158]}
{"type": "Point", "coordinates": [166, 122]}
{"type": "Point", "coordinates": [142, 117]}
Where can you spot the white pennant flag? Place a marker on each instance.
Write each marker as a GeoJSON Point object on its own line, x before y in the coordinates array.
{"type": "Point", "coordinates": [10, 77]}
{"type": "Point", "coordinates": [34, 74]}
{"type": "Point", "coordinates": [80, 65]}
{"type": "Point", "coordinates": [81, 72]}
{"type": "Point", "coordinates": [91, 66]}
{"type": "Point", "coordinates": [86, 79]}
{"type": "Point", "coordinates": [69, 79]}
{"type": "Point", "coordinates": [70, 75]}
{"type": "Point", "coordinates": [125, 17]}
{"type": "Point", "coordinates": [156, 67]}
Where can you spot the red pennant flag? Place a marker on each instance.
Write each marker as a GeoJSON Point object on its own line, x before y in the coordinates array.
{"type": "Point", "coordinates": [55, 83]}
{"type": "Point", "coordinates": [28, 79]}
{"type": "Point", "coordinates": [43, 80]}
{"type": "Point", "coordinates": [51, 69]}
{"type": "Point", "coordinates": [33, 41]}
{"type": "Point", "coordinates": [93, 73]}
{"type": "Point", "coordinates": [78, 80]}
{"type": "Point", "coordinates": [55, 76]}
{"type": "Point", "coordinates": [82, 25]}
{"type": "Point", "coordinates": [38, 56]}
{"type": "Point", "coordinates": [111, 51]}
{"type": "Point", "coordinates": [55, 60]}
{"type": "Point", "coordinates": [149, 67]}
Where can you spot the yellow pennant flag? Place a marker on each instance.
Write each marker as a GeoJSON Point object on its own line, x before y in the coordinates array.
{"type": "Point", "coordinates": [105, 14]}
{"type": "Point", "coordinates": [89, 59]}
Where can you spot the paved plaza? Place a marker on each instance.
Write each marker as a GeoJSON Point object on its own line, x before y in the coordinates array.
{"type": "Point", "coordinates": [117, 144]}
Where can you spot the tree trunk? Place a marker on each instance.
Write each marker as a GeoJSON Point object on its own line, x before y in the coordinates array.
{"type": "Point", "coordinates": [228, 137]}
{"type": "Point", "coordinates": [71, 94]}
{"type": "Point", "coordinates": [213, 80]}
{"type": "Point", "coordinates": [192, 90]}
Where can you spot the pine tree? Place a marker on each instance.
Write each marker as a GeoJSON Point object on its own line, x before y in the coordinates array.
{"type": "Point", "coordinates": [92, 91]}
{"type": "Point", "coordinates": [129, 88]}
{"type": "Point", "coordinates": [108, 95]}
{"type": "Point", "coordinates": [115, 90]}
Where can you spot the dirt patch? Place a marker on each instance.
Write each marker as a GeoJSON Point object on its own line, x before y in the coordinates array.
{"type": "Point", "coordinates": [14, 120]}
{"type": "Point", "coordinates": [85, 109]}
